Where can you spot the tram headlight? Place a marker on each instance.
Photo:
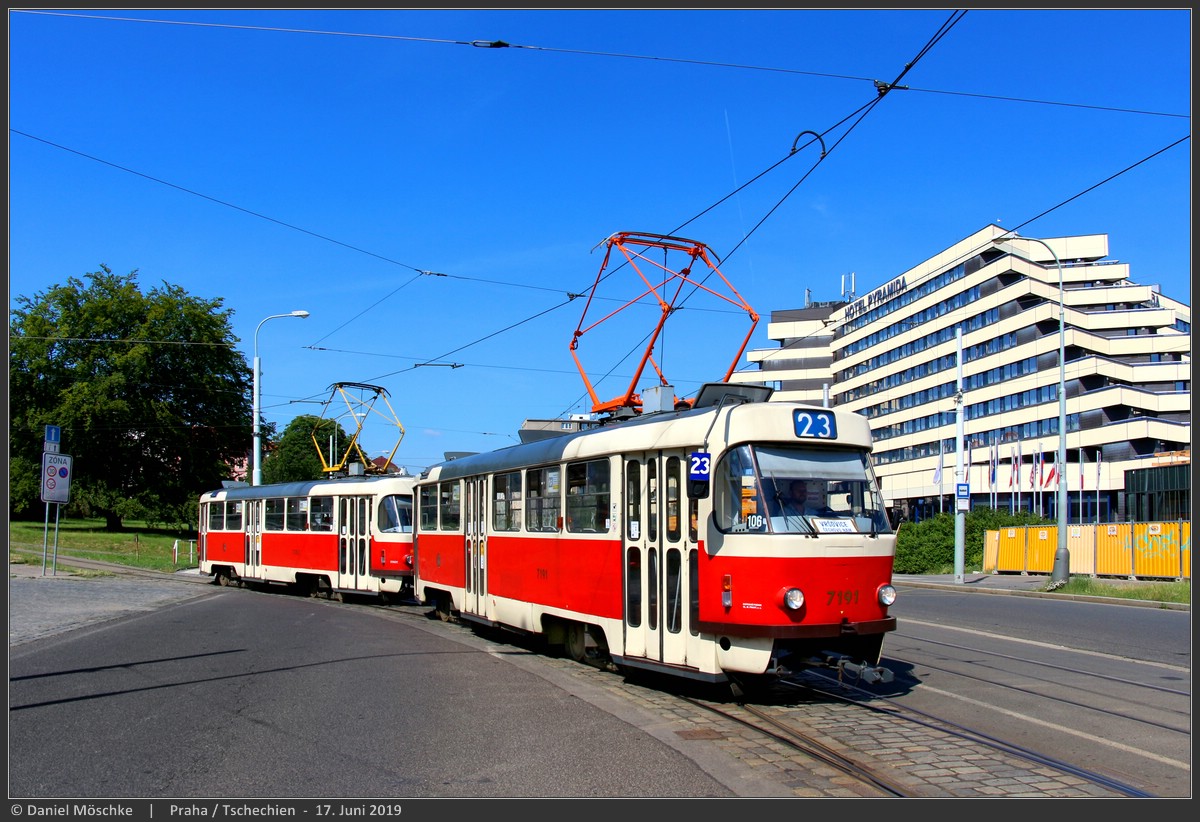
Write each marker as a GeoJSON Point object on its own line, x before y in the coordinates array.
{"type": "Point", "coordinates": [793, 598]}
{"type": "Point", "coordinates": [887, 595]}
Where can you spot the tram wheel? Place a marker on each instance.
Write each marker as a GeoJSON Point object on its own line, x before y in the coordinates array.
{"type": "Point", "coordinates": [221, 578]}
{"type": "Point", "coordinates": [443, 608]}
{"type": "Point", "coordinates": [576, 643]}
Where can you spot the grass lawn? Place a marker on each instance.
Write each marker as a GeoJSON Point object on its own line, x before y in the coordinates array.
{"type": "Point", "coordinates": [138, 545]}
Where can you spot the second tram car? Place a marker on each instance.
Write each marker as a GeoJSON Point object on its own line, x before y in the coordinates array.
{"type": "Point", "coordinates": [329, 537]}
{"type": "Point", "coordinates": [664, 542]}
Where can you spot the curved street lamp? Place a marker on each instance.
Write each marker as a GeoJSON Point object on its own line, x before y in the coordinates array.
{"type": "Point", "coordinates": [256, 476]}
{"type": "Point", "coordinates": [1062, 556]}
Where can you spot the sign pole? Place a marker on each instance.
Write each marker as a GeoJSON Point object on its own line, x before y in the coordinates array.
{"type": "Point", "coordinates": [54, 563]}
{"type": "Point", "coordinates": [56, 487]}
{"type": "Point", "coordinates": [45, 538]}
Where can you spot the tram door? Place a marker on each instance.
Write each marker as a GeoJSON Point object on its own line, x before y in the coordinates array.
{"type": "Point", "coordinates": [354, 538]}
{"type": "Point", "coordinates": [475, 508]}
{"type": "Point", "coordinates": [254, 526]}
{"type": "Point", "coordinates": [656, 584]}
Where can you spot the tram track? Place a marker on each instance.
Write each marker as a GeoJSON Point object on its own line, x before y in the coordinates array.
{"type": "Point", "coordinates": [807, 745]}
{"type": "Point", "coordinates": [854, 695]}
{"type": "Point", "coordinates": [880, 767]}
{"type": "Point", "coordinates": [802, 724]}
{"type": "Point", "coordinates": [1072, 703]}
{"type": "Point", "coordinates": [1064, 668]}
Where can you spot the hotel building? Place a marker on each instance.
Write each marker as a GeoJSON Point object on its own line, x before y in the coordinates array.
{"type": "Point", "coordinates": [989, 306]}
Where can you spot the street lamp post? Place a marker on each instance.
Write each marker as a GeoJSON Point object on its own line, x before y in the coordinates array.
{"type": "Point", "coordinates": [1062, 557]}
{"type": "Point", "coordinates": [256, 476]}
{"type": "Point", "coordinates": [960, 517]}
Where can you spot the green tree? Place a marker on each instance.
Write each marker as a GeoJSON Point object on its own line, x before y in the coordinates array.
{"type": "Point", "coordinates": [295, 457]}
{"type": "Point", "coordinates": [152, 397]}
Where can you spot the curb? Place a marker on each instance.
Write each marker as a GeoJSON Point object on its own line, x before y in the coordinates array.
{"type": "Point", "coordinates": [1138, 603]}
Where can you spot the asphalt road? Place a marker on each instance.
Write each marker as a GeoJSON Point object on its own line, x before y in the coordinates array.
{"type": "Point", "coordinates": [204, 692]}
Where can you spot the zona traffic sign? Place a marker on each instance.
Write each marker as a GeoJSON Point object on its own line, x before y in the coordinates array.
{"type": "Point", "coordinates": [56, 477]}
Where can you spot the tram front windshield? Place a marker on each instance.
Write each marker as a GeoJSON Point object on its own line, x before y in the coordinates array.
{"type": "Point", "coordinates": [797, 490]}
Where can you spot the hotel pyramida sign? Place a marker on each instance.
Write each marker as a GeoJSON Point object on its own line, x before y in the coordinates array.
{"type": "Point", "coordinates": [879, 295]}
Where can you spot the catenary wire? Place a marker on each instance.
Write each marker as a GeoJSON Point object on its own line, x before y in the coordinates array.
{"type": "Point", "coordinates": [883, 89]}
{"type": "Point", "coordinates": [500, 44]}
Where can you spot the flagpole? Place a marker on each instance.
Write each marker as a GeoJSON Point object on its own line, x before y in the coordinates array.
{"type": "Point", "coordinates": [959, 516]}
{"type": "Point", "coordinates": [1020, 466]}
{"type": "Point", "coordinates": [1081, 465]}
{"type": "Point", "coordinates": [1012, 478]}
{"type": "Point", "coordinates": [1037, 483]}
{"type": "Point", "coordinates": [937, 475]}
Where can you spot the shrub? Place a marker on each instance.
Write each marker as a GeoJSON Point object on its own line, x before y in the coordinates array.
{"type": "Point", "coordinates": [927, 547]}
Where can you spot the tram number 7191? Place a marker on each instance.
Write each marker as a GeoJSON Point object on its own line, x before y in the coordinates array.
{"type": "Point", "coordinates": [843, 597]}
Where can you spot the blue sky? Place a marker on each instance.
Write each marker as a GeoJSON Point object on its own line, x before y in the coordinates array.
{"type": "Point", "coordinates": [323, 159]}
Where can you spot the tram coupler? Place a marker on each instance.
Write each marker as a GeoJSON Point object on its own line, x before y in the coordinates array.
{"type": "Point", "coordinates": [869, 674]}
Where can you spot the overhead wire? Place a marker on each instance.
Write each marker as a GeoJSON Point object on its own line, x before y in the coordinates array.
{"type": "Point", "coordinates": [501, 44]}
{"type": "Point", "coordinates": [860, 114]}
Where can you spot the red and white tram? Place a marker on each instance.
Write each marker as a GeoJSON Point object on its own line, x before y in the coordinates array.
{"type": "Point", "coordinates": [660, 543]}
{"type": "Point", "coordinates": [332, 536]}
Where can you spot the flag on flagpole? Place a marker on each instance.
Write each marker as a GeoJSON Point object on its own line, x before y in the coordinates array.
{"type": "Point", "coordinates": [1012, 468]}
{"type": "Point", "coordinates": [994, 458]}
{"type": "Point", "coordinates": [937, 472]}
{"type": "Point", "coordinates": [1034, 470]}
{"type": "Point", "coordinates": [1099, 458]}
{"type": "Point", "coordinates": [1051, 475]}
{"type": "Point", "coordinates": [1082, 465]}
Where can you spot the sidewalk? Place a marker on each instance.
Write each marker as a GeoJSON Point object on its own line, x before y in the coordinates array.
{"type": "Point", "coordinates": [978, 581]}
{"type": "Point", "coordinates": [1027, 585]}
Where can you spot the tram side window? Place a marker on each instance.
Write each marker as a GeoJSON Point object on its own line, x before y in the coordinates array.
{"type": "Point", "coordinates": [273, 520]}
{"type": "Point", "coordinates": [588, 496]}
{"type": "Point", "coordinates": [320, 513]}
{"type": "Point", "coordinates": [233, 515]}
{"type": "Point", "coordinates": [541, 506]}
{"type": "Point", "coordinates": [633, 586]}
{"type": "Point", "coordinates": [297, 513]}
{"type": "Point", "coordinates": [506, 502]}
{"type": "Point", "coordinates": [674, 501]}
{"type": "Point", "coordinates": [674, 592]}
{"type": "Point", "coordinates": [449, 504]}
{"type": "Point", "coordinates": [428, 508]}
{"type": "Point", "coordinates": [216, 516]}
{"type": "Point", "coordinates": [633, 500]}
{"type": "Point", "coordinates": [737, 498]}
{"type": "Point", "coordinates": [395, 514]}
{"type": "Point", "coordinates": [693, 591]}
{"type": "Point", "coordinates": [651, 501]}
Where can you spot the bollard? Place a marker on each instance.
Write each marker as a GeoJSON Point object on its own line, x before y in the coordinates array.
{"type": "Point", "coordinates": [175, 553]}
